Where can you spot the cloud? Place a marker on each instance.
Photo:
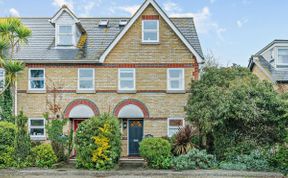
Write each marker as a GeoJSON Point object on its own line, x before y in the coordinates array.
{"type": "Point", "coordinates": [171, 6]}
{"type": "Point", "coordinates": [86, 7]}
{"type": "Point", "coordinates": [241, 22]}
{"type": "Point", "coordinates": [203, 19]}
{"type": "Point", "coordinates": [13, 12]}
{"type": "Point", "coordinates": [60, 3]}
{"type": "Point", "coordinates": [129, 9]}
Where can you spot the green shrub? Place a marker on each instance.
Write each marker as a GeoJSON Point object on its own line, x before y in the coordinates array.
{"type": "Point", "coordinates": [157, 152]}
{"type": "Point", "coordinates": [60, 142]}
{"type": "Point", "coordinates": [257, 161]}
{"type": "Point", "coordinates": [195, 159]}
{"type": "Point", "coordinates": [280, 160]}
{"type": "Point", "coordinates": [98, 143]}
{"type": "Point", "coordinates": [44, 156]}
{"type": "Point", "coordinates": [7, 135]}
{"type": "Point", "coordinates": [232, 166]}
{"type": "Point", "coordinates": [22, 142]}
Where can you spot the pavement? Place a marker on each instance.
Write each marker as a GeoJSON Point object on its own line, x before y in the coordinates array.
{"type": "Point", "coordinates": [138, 173]}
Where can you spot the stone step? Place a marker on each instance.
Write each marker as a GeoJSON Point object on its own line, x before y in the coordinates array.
{"type": "Point", "coordinates": [72, 162]}
{"type": "Point", "coordinates": [135, 162]}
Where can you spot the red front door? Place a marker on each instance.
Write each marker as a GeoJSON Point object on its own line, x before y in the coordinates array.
{"type": "Point", "coordinates": [76, 123]}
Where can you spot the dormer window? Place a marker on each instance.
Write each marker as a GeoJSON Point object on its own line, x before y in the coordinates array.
{"type": "Point", "coordinates": [65, 35]}
{"type": "Point", "coordinates": [150, 31]}
{"type": "Point", "coordinates": [282, 56]}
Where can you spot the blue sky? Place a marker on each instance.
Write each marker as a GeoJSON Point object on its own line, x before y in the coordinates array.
{"type": "Point", "coordinates": [232, 29]}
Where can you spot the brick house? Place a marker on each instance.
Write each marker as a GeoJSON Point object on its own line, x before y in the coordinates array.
{"type": "Point", "coordinates": [271, 64]}
{"type": "Point", "coordinates": [137, 68]}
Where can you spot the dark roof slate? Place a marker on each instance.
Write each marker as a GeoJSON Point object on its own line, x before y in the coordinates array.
{"type": "Point", "coordinates": [41, 45]}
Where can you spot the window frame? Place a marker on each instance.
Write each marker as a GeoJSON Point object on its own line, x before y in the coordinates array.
{"type": "Point", "coordinates": [182, 87]}
{"type": "Point", "coordinates": [134, 79]}
{"type": "Point", "coordinates": [157, 30]}
{"type": "Point", "coordinates": [168, 124]}
{"type": "Point", "coordinates": [37, 137]}
{"type": "Point", "coordinates": [58, 38]}
{"type": "Point", "coordinates": [277, 61]}
{"type": "Point", "coordinates": [29, 80]}
{"type": "Point", "coordinates": [93, 80]}
{"type": "Point", "coordinates": [2, 78]}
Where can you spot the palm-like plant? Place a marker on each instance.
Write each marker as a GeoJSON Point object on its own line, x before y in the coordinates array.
{"type": "Point", "coordinates": [11, 67]}
{"type": "Point", "coordinates": [12, 34]}
{"type": "Point", "coordinates": [182, 141]}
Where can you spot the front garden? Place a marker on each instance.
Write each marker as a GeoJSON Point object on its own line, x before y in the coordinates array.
{"type": "Point", "coordinates": [241, 125]}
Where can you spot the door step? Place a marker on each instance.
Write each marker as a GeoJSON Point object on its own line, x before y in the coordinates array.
{"type": "Point", "coordinates": [131, 162]}
{"type": "Point", "coordinates": [72, 162]}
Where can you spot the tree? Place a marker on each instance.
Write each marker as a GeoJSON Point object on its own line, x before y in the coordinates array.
{"type": "Point", "coordinates": [231, 106]}
{"type": "Point", "coordinates": [12, 34]}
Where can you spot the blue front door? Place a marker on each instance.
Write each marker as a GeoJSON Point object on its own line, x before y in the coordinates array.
{"type": "Point", "coordinates": [135, 136]}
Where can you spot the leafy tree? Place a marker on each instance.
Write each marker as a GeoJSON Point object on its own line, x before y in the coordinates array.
{"type": "Point", "coordinates": [22, 143]}
{"type": "Point", "coordinates": [12, 34]}
{"type": "Point", "coordinates": [232, 107]}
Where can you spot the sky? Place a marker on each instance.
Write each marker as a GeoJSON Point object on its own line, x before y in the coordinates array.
{"type": "Point", "coordinates": [231, 30]}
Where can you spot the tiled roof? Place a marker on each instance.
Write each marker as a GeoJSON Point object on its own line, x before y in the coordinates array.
{"type": "Point", "coordinates": [41, 45]}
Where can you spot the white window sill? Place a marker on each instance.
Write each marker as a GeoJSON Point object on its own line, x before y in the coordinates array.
{"type": "Point", "coordinates": [176, 91]}
{"type": "Point", "coordinates": [127, 91]}
{"type": "Point", "coordinates": [36, 91]}
{"type": "Point", "coordinates": [65, 47]}
{"type": "Point", "coordinates": [85, 91]}
{"type": "Point", "coordinates": [150, 43]}
{"type": "Point", "coordinates": [42, 138]}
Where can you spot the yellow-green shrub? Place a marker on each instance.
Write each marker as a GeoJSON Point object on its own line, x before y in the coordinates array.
{"type": "Point", "coordinates": [98, 143]}
{"type": "Point", "coordinates": [44, 156]}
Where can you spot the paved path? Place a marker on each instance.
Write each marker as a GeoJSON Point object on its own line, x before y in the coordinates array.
{"type": "Point", "coordinates": [76, 173]}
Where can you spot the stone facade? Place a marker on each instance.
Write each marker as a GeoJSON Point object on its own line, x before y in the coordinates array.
{"type": "Point", "coordinates": [150, 62]}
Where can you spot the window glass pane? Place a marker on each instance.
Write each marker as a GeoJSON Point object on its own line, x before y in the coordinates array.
{"type": "Point", "coordinates": [86, 84]}
{"type": "Point", "coordinates": [173, 131]}
{"type": "Point", "coordinates": [150, 36]}
{"type": "Point", "coordinates": [176, 123]}
{"type": "Point", "coordinates": [65, 39]}
{"type": "Point", "coordinates": [37, 73]}
{"type": "Point", "coordinates": [2, 83]}
{"type": "Point", "coordinates": [175, 73]}
{"type": "Point", "coordinates": [2, 73]}
{"type": "Point", "coordinates": [86, 73]}
{"type": "Point", "coordinates": [126, 84]}
{"type": "Point", "coordinates": [150, 25]}
{"type": "Point", "coordinates": [39, 122]}
{"type": "Point", "coordinates": [126, 75]}
{"type": "Point", "coordinates": [175, 84]}
{"type": "Point", "coordinates": [37, 132]}
{"type": "Point", "coordinates": [36, 84]}
{"type": "Point", "coordinates": [65, 29]}
{"type": "Point", "coordinates": [283, 56]}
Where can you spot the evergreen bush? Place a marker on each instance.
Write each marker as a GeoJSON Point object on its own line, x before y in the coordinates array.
{"type": "Point", "coordinates": [98, 143]}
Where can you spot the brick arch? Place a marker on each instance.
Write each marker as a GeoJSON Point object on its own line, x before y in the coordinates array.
{"type": "Point", "coordinates": [135, 102]}
{"type": "Point", "coordinates": [77, 102]}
